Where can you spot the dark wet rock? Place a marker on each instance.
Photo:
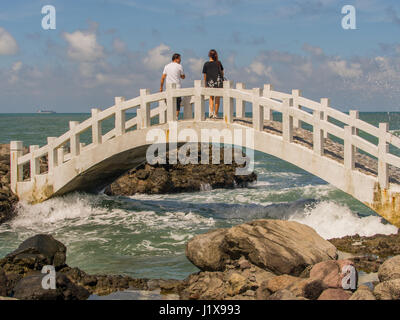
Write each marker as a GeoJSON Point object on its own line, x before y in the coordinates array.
{"type": "Point", "coordinates": [281, 247]}
{"type": "Point", "coordinates": [30, 288]}
{"type": "Point", "coordinates": [40, 250]}
{"type": "Point", "coordinates": [368, 263]}
{"type": "Point", "coordinates": [3, 283]}
{"type": "Point", "coordinates": [36, 252]}
{"type": "Point", "coordinates": [173, 178]}
{"type": "Point", "coordinates": [313, 289]}
{"type": "Point", "coordinates": [377, 245]}
{"type": "Point", "coordinates": [8, 199]}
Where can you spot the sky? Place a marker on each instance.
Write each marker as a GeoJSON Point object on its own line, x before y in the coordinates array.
{"type": "Point", "coordinates": [106, 48]}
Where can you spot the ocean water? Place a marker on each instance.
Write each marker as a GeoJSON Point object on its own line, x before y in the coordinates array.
{"type": "Point", "coordinates": [145, 235]}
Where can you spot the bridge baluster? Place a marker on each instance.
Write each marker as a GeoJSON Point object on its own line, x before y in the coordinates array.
{"type": "Point", "coordinates": [163, 111]}
{"type": "Point", "coordinates": [60, 155]}
{"type": "Point", "coordinates": [16, 171]}
{"type": "Point", "coordinates": [228, 102]}
{"type": "Point", "coordinates": [240, 104]}
{"type": "Point", "coordinates": [171, 102]}
{"type": "Point", "coordinates": [199, 109]}
{"type": "Point", "coordinates": [34, 163]}
{"type": "Point", "coordinates": [354, 115]}
{"type": "Point", "coordinates": [296, 94]}
{"type": "Point", "coordinates": [119, 116]}
{"type": "Point", "coordinates": [349, 149]}
{"type": "Point", "coordinates": [52, 155]}
{"type": "Point", "coordinates": [383, 149]}
{"type": "Point", "coordinates": [325, 104]}
{"type": "Point", "coordinates": [144, 109]}
{"type": "Point", "coordinates": [258, 110]}
{"type": "Point", "coordinates": [287, 120]}
{"type": "Point", "coordinates": [96, 127]}
{"type": "Point", "coordinates": [318, 133]}
{"type": "Point", "coordinates": [187, 108]}
{"type": "Point", "coordinates": [267, 93]}
{"type": "Point", "coordinates": [74, 140]}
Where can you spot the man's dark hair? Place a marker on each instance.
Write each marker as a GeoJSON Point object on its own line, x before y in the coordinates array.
{"type": "Point", "coordinates": [175, 56]}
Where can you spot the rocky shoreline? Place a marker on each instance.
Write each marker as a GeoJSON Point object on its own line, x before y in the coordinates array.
{"type": "Point", "coordinates": [258, 260]}
{"type": "Point", "coordinates": [262, 259]}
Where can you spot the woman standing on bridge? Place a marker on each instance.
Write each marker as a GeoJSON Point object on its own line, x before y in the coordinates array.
{"type": "Point", "coordinates": [213, 76]}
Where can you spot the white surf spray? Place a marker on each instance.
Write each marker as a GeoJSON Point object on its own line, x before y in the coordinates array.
{"type": "Point", "coordinates": [332, 220]}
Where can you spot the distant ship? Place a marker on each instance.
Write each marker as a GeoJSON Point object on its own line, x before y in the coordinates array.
{"type": "Point", "coordinates": [46, 111]}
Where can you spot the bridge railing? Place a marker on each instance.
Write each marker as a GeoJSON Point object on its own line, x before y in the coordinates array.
{"type": "Point", "coordinates": [264, 101]}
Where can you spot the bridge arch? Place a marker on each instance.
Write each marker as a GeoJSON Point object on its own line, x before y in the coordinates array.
{"type": "Point", "coordinates": [373, 180]}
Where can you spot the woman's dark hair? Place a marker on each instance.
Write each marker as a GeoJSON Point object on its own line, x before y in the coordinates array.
{"type": "Point", "coordinates": [175, 56]}
{"type": "Point", "coordinates": [213, 54]}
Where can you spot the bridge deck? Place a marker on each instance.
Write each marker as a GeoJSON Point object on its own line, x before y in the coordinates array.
{"type": "Point", "coordinates": [332, 149]}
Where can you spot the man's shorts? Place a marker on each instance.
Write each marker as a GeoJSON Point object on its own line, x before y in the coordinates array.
{"type": "Point", "coordinates": [178, 103]}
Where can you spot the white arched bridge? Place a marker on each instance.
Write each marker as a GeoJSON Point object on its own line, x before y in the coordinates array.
{"type": "Point", "coordinates": [341, 149]}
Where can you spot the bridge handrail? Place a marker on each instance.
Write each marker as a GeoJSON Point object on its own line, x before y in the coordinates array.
{"type": "Point", "coordinates": [264, 101]}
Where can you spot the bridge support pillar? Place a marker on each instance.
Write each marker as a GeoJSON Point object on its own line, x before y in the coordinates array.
{"type": "Point", "coordinates": [16, 171]}
{"type": "Point", "coordinates": [383, 149]}
{"type": "Point", "coordinates": [258, 112]}
{"type": "Point", "coordinates": [199, 110]}
{"type": "Point", "coordinates": [267, 93]}
{"type": "Point", "coordinates": [287, 120]}
{"type": "Point", "coordinates": [240, 104]}
{"type": "Point", "coordinates": [228, 102]}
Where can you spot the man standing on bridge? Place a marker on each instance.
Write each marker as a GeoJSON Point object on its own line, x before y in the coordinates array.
{"type": "Point", "coordinates": [173, 72]}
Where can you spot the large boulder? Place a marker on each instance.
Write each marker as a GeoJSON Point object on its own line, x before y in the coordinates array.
{"type": "Point", "coordinates": [204, 251]}
{"type": "Point", "coordinates": [36, 252]}
{"type": "Point", "coordinates": [390, 269]}
{"type": "Point", "coordinates": [388, 290]}
{"type": "Point", "coordinates": [363, 293]}
{"type": "Point", "coordinates": [281, 247]}
{"type": "Point", "coordinates": [331, 272]}
{"type": "Point", "coordinates": [335, 294]}
{"type": "Point", "coordinates": [30, 288]}
{"type": "Point", "coordinates": [232, 283]}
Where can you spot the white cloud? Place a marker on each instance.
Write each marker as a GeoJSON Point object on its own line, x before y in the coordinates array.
{"type": "Point", "coordinates": [119, 46]}
{"type": "Point", "coordinates": [157, 57]}
{"type": "Point", "coordinates": [196, 65]}
{"type": "Point", "coordinates": [83, 46]}
{"type": "Point", "coordinates": [345, 69]}
{"type": "Point", "coordinates": [8, 45]}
